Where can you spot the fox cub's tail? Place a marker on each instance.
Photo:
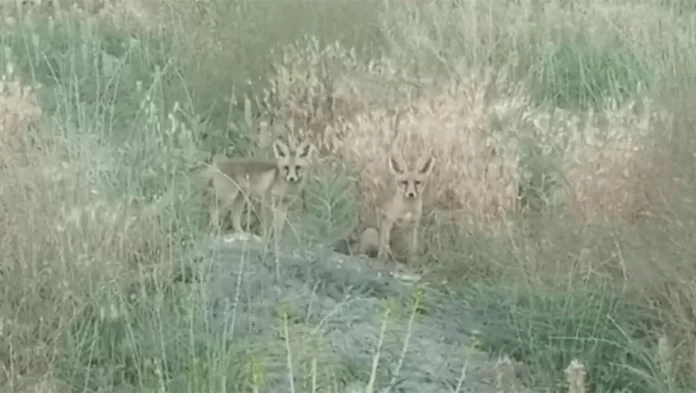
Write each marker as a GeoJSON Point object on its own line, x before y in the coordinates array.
{"type": "Point", "coordinates": [367, 243]}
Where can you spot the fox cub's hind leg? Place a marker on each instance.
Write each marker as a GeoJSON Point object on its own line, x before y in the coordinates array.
{"type": "Point", "coordinates": [237, 208]}
{"type": "Point", "coordinates": [273, 215]}
{"type": "Point", "coordinates": [214, 211]}
{"type": "Point", "coordinates": [279, 214]}
{"type": "Point", "coordinates": [413, 244]}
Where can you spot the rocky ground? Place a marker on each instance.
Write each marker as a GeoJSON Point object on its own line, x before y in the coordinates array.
{"type": "Point", "coordinates": [337, 303]}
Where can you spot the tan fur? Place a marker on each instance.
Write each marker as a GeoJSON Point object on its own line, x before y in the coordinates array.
{"type": "Point", "coordinates": [366, 242]}
{"type": "Point", "coordinates": [405, 208]}
{"type": "Point", "coordinates": [369, 241]}
{"type": "Point", "coordinates": [235, 180]}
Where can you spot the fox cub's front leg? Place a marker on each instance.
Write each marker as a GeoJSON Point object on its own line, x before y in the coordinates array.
{"type": "Point", "coordinates": [413, 244]}
{"type": "Point", "coordinates": [384, 250]}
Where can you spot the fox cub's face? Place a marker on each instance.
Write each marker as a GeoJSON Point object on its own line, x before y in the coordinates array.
{"type": "Point", "coordinates": [411, 183]}
{"type": "Point", "coordinates": [292, 163]}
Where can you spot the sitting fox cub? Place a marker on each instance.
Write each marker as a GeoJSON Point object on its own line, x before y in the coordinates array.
{"type": "Point", "coordinates": [403, 210]}
{"type": "Point", "coordinates": [269, 181]}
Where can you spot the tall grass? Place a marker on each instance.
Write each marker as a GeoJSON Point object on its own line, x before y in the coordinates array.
{"type": "Point", "coordinates": [581, 248]}
{"type": "Point", "coordinates": [227, 48]}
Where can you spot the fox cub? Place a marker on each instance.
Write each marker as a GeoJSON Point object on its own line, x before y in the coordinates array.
{"type": "Point", "coordinates": [402, 210]}
{"type": "Point", "coordinates": [405, 208]}
{"type": "Point", "coordinates": [268, 181]}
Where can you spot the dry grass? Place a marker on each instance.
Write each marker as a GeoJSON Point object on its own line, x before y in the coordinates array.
{"type": "Point", "coordinates": [617, 166]}
{"type": "Point", "coordinates": [557, 110]}
{"type": "Point", "coordinates": [611, 163]}
{"type": "Point", "coordinates": [136, 15]}
{"type": "Point", "coordinates": [65, 243]}
{"type": "Point", "coordinates": [19, 112]}
{"type": "Point", "coordinates": [476, 171]}
{"type": "Point", "coordinates": [359, 114]}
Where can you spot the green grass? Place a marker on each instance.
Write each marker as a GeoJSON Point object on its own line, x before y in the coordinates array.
{"type": "Point", "coordinates": [101, 304]}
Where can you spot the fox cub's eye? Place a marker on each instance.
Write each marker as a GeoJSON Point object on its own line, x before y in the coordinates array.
{"type": "Point", "coordinates": [404, 183]}
{"type": "Point", "coordinates": [417, 183]}
{"type": "Point", "coordinates": [287, 168]}
{"type": "Point", "coordinates": [297, 169]}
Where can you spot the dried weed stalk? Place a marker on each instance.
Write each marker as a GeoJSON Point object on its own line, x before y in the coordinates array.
{"type": "Point", "coordinates": [575, 376]}
{"type": "Point", "coordinates": [505, 376]}
{"type": "Point", "coordinates": [19, 112]}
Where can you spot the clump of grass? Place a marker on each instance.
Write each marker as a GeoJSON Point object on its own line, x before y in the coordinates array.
{"type": "Point", "coordinates": [477, 179]}
{"type": "Point", "coordinates": [549, 326]}
{"type": "Point", "coordinates": [506, 379]}
{"type": "Point", "coordinates": [67, 247]}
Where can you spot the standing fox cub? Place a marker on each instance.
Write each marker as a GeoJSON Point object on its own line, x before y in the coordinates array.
{"type": "Point", "coordinates": [237, 179]}
{"type": "Point", "coordinates": [402, 211]}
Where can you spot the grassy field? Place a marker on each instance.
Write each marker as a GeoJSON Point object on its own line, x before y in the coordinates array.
{"type": "Point", "coordinates": [561, 215]}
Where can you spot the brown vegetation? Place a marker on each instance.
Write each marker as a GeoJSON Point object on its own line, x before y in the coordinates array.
{"type": "Point", "coordinates": [610, 164]}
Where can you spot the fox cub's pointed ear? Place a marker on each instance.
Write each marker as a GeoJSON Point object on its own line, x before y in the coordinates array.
{"type": "Point", "coordinates": [427, 166]}
{"type": "Point", "coordinates": [305, 149]}
{"type": "Point", "coordinates": [396, 166]}
{"type": "Point", "coordinates": [280, 149]}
